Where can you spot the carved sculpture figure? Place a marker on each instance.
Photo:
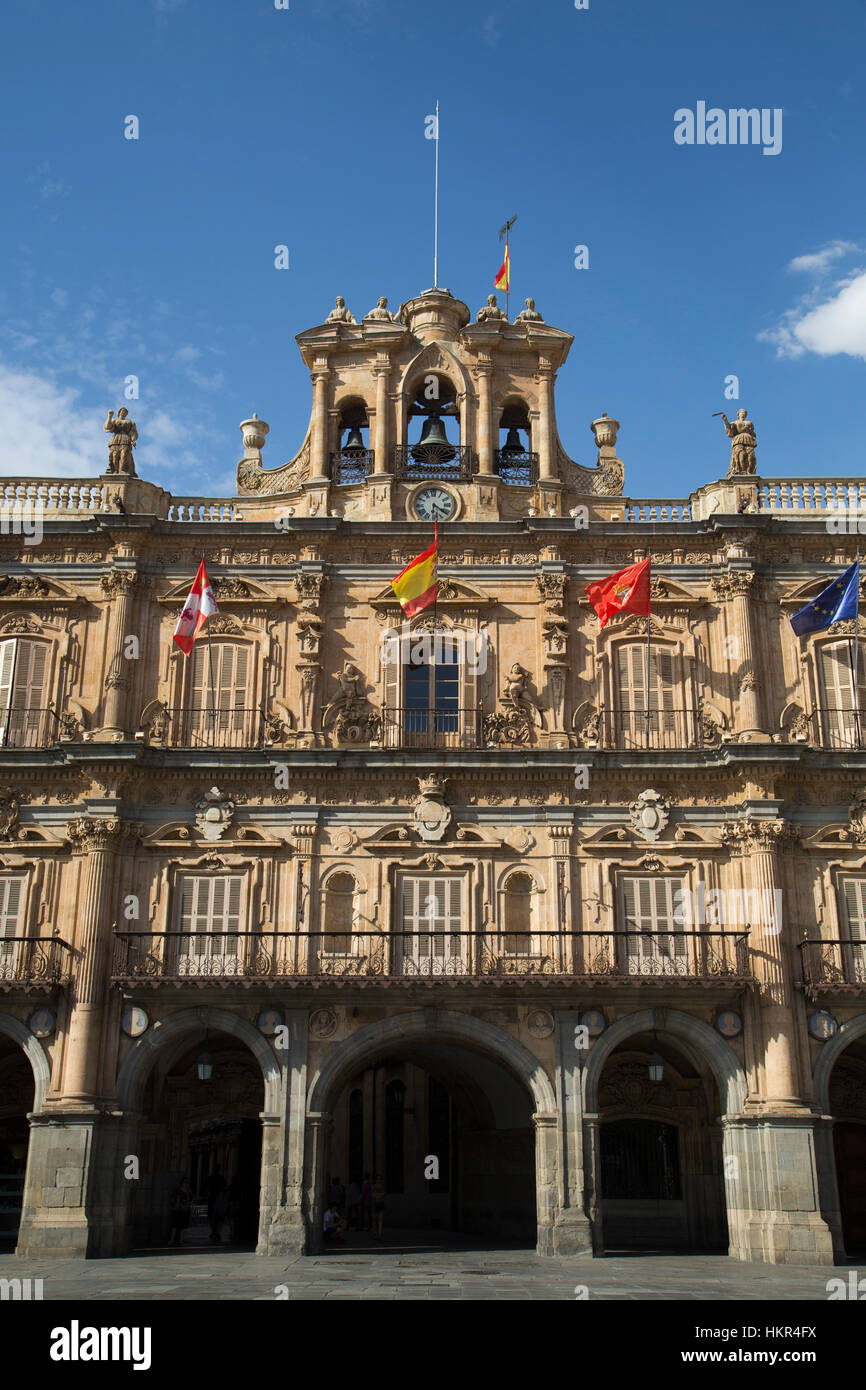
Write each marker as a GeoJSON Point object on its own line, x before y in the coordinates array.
{"type": "Point", "coordinates": [515, 692]}
{"type": "Point", "coordinates": [529, 314]}
{"type": "Point", "coordinates": [350, 680]}
{"type": "Point", "coordinates": [124, 436]}
{"type": "Point", "coordinates": [491, 310]}
{"type": "Point", "coordinates": [741, 433]}
{"type": "Point", "coordinates": [381, 313]}
{"type": "Point", "coordinates": [340, 314]}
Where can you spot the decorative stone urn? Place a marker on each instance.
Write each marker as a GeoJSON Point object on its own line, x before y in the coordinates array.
{"type": "Point", "coordinates": [253, 433]}
{"type": "Point", "coordinates": [605, 430]}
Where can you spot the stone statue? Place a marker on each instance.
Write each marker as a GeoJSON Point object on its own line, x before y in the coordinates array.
{"type": "Point", "coordinates": [529, 314]}
{"type": "Point", "coordinates": [340, 314]}
{"type": "Point", "coordinates": [741, 433]}
{"type": "Point", "coordinates": [350, 680]}
{"type": "Point", "coordinates": [124, 436]}
{"type": "Point", "coordinates": [381, 313]}
{"type": "Point", "coordinates": [491, 310]}
{"type": "Point", "coordinates": [515, 692]}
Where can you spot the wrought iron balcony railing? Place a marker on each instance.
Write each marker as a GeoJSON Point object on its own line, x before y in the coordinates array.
{"type": "Point", "coordinates": [628, 957]}
{"type": "Point", "coordinates": [29, 728]}
{"type": "Point", "coordinates": [639, 728]}
{"type": "Point", "coordinates": [36, 962]}
{"type": "Point", "coordinates": [218, 728]}
{"type": "Point", "coordinates": [351, 466]}
{"type": "Point", "coordinates": [839, 728]}
{"type": "Point", "coordinates": [834, 964]}
{"type": "Point", "coordinates": [404, 727]}
{"type": "Point", "coordinates": [518, 470]}
{"type": "Point", "coordinates": [456, 469]}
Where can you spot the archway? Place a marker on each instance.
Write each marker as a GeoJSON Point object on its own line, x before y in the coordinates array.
{"type": "Point", "coordinates": [660, 1167]}
{"type": "Point", "coordinates": [24, 1078]}
{"type": "Point", "coordinates": [198, 1088]}
{"type": "Point", "coordinates": [436, 1083]}
{"type": "Point", "coordinates": [840, 1087]}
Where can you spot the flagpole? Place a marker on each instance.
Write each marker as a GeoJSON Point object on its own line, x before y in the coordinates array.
{"type": "Point", "coordinates": [436, 209]}
{"type": "Point", "coordinates": [507, 278]}
{"type": "Point", "coordinates": [210, 664]}
{"type": "Point", "coordinates": [648, 620]}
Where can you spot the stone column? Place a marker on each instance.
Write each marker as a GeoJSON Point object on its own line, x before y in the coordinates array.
{"type": "Point", "coordinates": [735, 588]}
{"type": "Point", "coordinates": [281, 1225]}
{"type": "Point", "coordinates": [545, 419]}
{"type": "Point", "coordinates": [97, 841]}
{"type": "Point", "coordinates": [118, 585]}
{"type": "Point", "coordinates": [572, 1232]}
{"type": "Point", "coordinates": [381, 441]}
{"type": "Point", "coordinates": [484, 437]}
{"type": "Point", "coordinates": [319, 435]}
{"type": "Point", "coordinates": [545, 1180]}
{"type": "Point", "coordinates": [314, 1182]}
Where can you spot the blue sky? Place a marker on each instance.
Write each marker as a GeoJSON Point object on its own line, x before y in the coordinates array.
{"type": "Point", "coordinates": [305, 127]}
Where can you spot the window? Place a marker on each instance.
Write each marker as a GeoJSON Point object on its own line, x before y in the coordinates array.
{"type": "Point", "coordinates": [22, 693]}
{"type": "Point", "coordinates": [11, 902]}
{"type": "Point", "coordinates": [220, 716]}
{"type": "Point", "coordinates": [431, 919]}
{"type": "Point", "coordinates": [430, 692]}
{"type": "Point", "coordinates": [339, 914]}
{"type": "Point", "coordinates": [653, 946]}
{"type": "Point", "coordinates": [657, 724]}
{"type": "Point", "coordinates": [854, 951]}
{"type": "Point", "coordinates": [210, 925]}
{"type": "Point", "coordinates": [518, 915]}
{"type": "Point", "coordinates": [842, 724]}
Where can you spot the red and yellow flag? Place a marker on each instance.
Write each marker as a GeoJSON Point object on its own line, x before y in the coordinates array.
{"type": "Point", "coordinates": [503, 275]}
{"type": "Point", "coordinates": [416, 586]}
{"type": "Point", "coordinates": [627, 591]}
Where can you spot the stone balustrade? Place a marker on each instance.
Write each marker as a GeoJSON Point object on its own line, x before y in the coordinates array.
{"type": "Point", "coordinates": [810, 495]}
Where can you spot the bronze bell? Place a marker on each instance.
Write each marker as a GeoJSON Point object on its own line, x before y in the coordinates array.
{"type": "Point", "coordinates": [512, 445]}
{"type": "Point", "coordinates": [355, 443]}
{"type": "Point", "coordinates": [434, 446]}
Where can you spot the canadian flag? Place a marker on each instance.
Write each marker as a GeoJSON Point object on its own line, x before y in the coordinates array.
{"type": "Point", "coordinates": [196, 611]}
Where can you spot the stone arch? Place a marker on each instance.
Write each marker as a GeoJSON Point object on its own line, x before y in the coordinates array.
{"type": "Point", "coordinates": [35, 1054]}
{"type": "Point", "coordinates": [432, 1024]}
{"type": "Point", "coordinates": [435, 1025]}
{"type": "Point", "coordinates": [699, 1041]}
{"type": "Point", "coordinates": [135, 1069]}
{"type": "Point", "coordinates": [829, 1055]}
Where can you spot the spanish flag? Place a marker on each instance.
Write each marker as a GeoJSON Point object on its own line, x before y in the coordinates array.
{"type": "Point", "coordinates": [627, 591]}
{"type": "Point", "coordinates": [503, 275]}
{"type": "Point", "coordinates": [416, 586]}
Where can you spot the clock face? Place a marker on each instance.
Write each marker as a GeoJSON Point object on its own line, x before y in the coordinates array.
{"type": "Point", "coordinates": [434, 504]}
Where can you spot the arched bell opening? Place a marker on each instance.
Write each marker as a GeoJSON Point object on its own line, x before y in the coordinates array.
{"type": "Point", "coordinates": [516, 463]}
{"type": "Point", "coordinates": [433, 447]}
{"type": "Point", "coordinates": [17, 1090]}
{"type": "Point", "coordinates": [660, 1150]}
{"type": "Point", "coordinates": [353, 459]}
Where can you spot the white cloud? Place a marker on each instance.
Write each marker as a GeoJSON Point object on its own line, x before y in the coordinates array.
{"type": "Point", "coordinates": [817, 262]}
{"type": "Point", "coordinates": [829, 319]}
{"type": "Point", "coordinates": [46, 432]}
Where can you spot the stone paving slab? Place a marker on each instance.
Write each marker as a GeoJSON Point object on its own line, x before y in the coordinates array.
{"type": "Point", "coordinates": [393, 1270]}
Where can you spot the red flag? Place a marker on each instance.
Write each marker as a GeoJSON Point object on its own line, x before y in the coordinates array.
{"type": "Point", "coordinates": [627, 591]}
{"type": "Point", "coordinates": [196, 611]}
{"type": "Point", "coordinates": [503, 275]}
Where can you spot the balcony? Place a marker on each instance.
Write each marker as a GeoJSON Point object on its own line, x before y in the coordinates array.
{"type": "Point", "coordinates": [34, 963]}
{"type": "Point", "coordinates": [405, 727]}
{"type": "Point", "coordinates": [835, 966]}
{"type": "Point", "coordinates": [351, 466]}
{"type": "Point", "coordinates": [456, 470]}
{"type": "Point", "coordinates": [517, 470]}
{"type": "Point", "coordinates": [839, 728]}
{"type": "Point", "coordinates": [639, 728]}
{"type": "Point", "coordinates": [619, 958]}
{"type": "Point", "coordinates": [218, 728]}
{"type": "Point", "coordinates": [29, 728]}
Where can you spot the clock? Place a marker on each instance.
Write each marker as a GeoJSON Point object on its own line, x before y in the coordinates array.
{"type": "Point", "coordinates": [434, 504]}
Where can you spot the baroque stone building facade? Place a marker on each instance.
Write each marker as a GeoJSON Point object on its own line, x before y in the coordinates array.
{"type": "Point", "coordinates": [582, 923]}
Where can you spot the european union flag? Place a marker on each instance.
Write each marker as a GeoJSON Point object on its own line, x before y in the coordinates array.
{"type": "Point", "coordinates": [839, 600]}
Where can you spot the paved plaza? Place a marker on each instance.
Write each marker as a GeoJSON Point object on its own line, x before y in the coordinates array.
{"type": "Point", "coordinates": [417, 1265]}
